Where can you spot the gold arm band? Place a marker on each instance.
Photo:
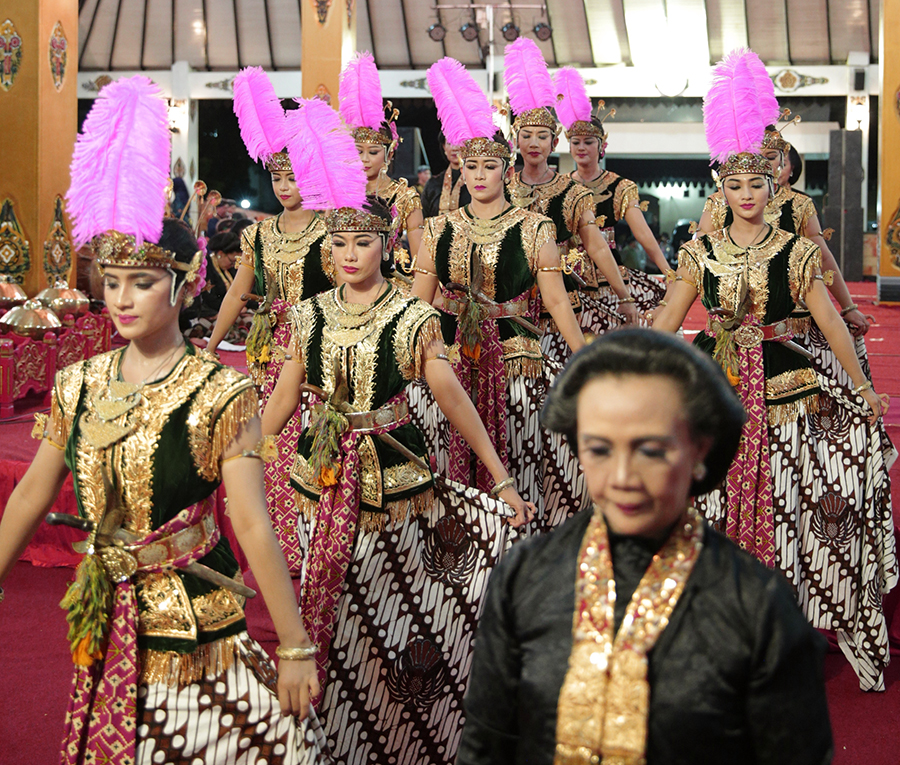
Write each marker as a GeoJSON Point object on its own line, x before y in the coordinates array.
{"type": "Point", "coordinates": [442, 356]}
{"type": "Point", "coordinates": [551, 268]}
{"type": "Point", "coordinates": [425, 271]}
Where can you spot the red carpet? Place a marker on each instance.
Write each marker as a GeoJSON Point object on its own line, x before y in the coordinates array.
{"type": "Point", "coordinates": [35, 670]}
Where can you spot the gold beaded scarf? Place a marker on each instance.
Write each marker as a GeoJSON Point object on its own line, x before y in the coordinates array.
{"type": "Point", "coordinates": [605, 698]}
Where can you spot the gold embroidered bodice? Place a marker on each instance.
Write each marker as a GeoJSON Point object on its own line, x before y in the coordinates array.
{"type": "Point", "coordinates": [285, 256]}
{"type": "Point", "coordinates": [609, 187]}
{"type": "Point", "coordinates": [799, 207]}
{"type": "Point", "coordinates": [561, 199]}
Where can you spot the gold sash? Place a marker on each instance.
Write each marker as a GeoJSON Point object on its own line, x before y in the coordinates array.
{"type": "Point", "coordinates": [605, 698]}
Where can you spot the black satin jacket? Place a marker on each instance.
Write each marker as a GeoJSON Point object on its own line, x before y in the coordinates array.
{"type": "Point", "coordinates": [736, 677]}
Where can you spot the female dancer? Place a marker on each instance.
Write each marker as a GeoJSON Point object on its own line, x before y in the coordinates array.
{"type": "Point", "coordinates": [394, 576]}
{"type": "Point", "coordinates": [283, 263]}
{"type": "Point", "coordinates": [156, 622]}
{"type": "Point", "coordinates": [812, 500]}
{"type": "Point", "coordinates": [615, 197]}
{"type": "Point", "coordinates": [541, 189]}
{"type": "Point", "coordinates": [703, 655]}
{"type": "Point", "coordinates": [795, 212]}
{"type": "Point", "coordinates": [488, 260]}
{"type": "Point", "coordinates": [377, 140]}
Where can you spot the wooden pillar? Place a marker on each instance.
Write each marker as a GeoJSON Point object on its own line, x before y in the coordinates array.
{"type": "Point", "coordinates": [888, 158]}
{"type": "Point", "coordinates": [328, 43]}
{"type": "Point", "coordinates": [39, 118]}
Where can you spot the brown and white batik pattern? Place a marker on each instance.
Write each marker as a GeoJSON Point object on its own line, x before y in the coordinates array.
{"type": "Point", "coordinates": [834, 531]}
{"type": "Point", "coordinates": [545, 470]}
{"type": "Point", "coordinates": [399, 660]}
{"type": "Point", "coordinates": [230, 719]}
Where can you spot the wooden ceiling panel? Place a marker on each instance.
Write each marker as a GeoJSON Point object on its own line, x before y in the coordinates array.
{"type": "Point", "coordinates": [190, 33]}
{"type": "Point", "coordinates": [386, 22]}
{"type": "Point", "coordinates": [607, 30]}
{"type": "Point", "coordinates": [126, 52]}
{"type": "Point", "coordinates": [254, 28]}
{"type": "Point", "coordinates": [158, 35]}
{"type": "Point", "coordinates": [419, 17]}
{"type": "Point", "coordinates": [96, 50]}
{"type": "Point", "coordinates": [363, 28]}
{"type": "Point", "coordinates": [808, 30]}
{"type": "Point", "coordinates": [727, 26]}
{"type": "Point", "coordinates": [849, 29]}
{"type": "Point", "coordinates": [284, 21]}
{"type": "Point", "coordinates": [571, 39]}
{"type": "Point", "coordinates": [767, 31]}
{"type": "Point", "coordinates": [221, 31]}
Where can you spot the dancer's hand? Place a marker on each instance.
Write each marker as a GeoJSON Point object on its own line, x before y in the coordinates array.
{"type": "Point", "coordinates": [876, 403]}
{"type": "Point", "coordinates": [524, 510]}
{"type": "Point", "coordinates": [297, 684]}
{"type": "Point", "coordinates": [629, 312]}
{"type": "Point", "coordinates": [858, 322]}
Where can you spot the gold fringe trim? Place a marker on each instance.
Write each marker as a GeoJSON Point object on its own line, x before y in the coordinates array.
{"type": "Point", "coordinates": [429, 332]}
{"type": "Point", "coordinates": [179, 669]}
{"type": "Point", "coordinates": [523, 366]}
{"type": "Point", "coordinates": [782, 414]}
{"type": "Point", "coordinates": [237, 413]}
{"type": "Point", "coordinates": [370, 522]}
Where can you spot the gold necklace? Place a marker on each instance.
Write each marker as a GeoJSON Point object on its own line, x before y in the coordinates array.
{"type": "Point", "coordinates": [360, 309]}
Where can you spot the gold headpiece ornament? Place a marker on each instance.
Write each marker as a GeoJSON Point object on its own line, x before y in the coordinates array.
{"type": "Point", "coordinates": [280, 162]}
{"type": "Point", "coordinates": [593, 128]}
{"type": "Point", "coordinates": [351, 219]}
{"type": "Point", "coordinates": [745, 162]}
{"type": "Point", "coordinates": [540, 117]}
{"type": "Point", "coordinates": [114, 248]}
{"type": "Point", "coordinates": [484, 147]}
{"type": "Point", "coordinates": [773, 138]}
{"type": "Point", "coordinates": [390, 141]}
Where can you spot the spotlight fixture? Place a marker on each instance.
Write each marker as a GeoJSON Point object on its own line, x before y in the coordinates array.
{"type": "Point", "coordinates": [543, 31]}
{"type": "Point", "coordinates": [469, 31]}
{"type": "Point", "coordinates": [437, 32]}
{"type": "Point", "coordinates": [510, 32]}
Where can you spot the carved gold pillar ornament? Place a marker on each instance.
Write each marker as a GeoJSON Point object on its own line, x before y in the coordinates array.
{"type": "Point", "coordinates": [11, 52]}
{"type": "Point", "coordinates": [328, 43]}
{"type": "Point", "coordinates": [39, 108]}
{"type": "Point", "coordinates": [14, 247]}
{"type": "Point", "coordinates": [58, 54]}
{"type": "Point", "coordinates": [888, 157]}
{"type": "Point", "coordinates": [58, 246]}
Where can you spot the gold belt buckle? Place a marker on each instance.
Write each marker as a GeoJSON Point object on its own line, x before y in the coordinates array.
{"type": "Point", "coordinates": [748, 336]}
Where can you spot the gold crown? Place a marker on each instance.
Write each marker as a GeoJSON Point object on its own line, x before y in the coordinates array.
{"type": "Point", "coordinates": [352, 219]}
{"type": "Point", "coordinates": [367, 135]}
{"type": "Point", "coordinates": [745, 162]}
{"type": "Point", "coordinates": [540, 117]}
{"type": "Point", "coordinates": [484, 147]}
{"type": "Point", "coordinates": [773, 138]}
{"type": "Point", "coordinates": [114, 248]}
{"type": "Point", "coordinates": [279, 162]}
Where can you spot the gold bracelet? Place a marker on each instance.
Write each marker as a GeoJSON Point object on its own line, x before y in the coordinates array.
{"type": "Point", "coordinates": [551, 268]}
{"type": "Point", "coordinates": [628, 299]}
{"type": "Point", "coordinates": [504, 484]}
{"type": "Point", "coordinates": [443, 356]}
{"type": "Point", "coordinates": [266, 450]}
{"type": "Point", "coordinates": [663, 303]}
{"type": "Point", "coordinates": [302, 653]}
{"type": "Point", "coordinates": [849, 308]}
{"type": "Point", "coordinates": [867, 385]}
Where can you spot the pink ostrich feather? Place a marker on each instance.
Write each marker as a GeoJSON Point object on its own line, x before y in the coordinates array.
{"type": "Point", "coordinates": [528, 82]}
{"type": "Point", "coordinates": [324, 158]}
{"type": "Point", "coordinates": [462, 106]}
{"type": "Point", "coordinates": [732, 112]}
{"type": "Point", "coordinates": [359, 93]}
{"type": "Point", "coordinates": [575, 103]}
{"type": "Point", "coordinates": [259, 113]}
{"type": "Point", "coordinates": [120, 165]}
{"type": "Point", "coordinates": [765, 89]}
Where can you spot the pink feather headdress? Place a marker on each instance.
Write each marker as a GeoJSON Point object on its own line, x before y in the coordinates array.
{"type": "Point", "coordinates": [574, 104]}
{"type": "Point", "coordinates": [120, 166]}
{"type": "Point", "coordinates": [260, 115]}
{"type": "Point", "coordinates": [323, 154]}
{"type": "Point", "coordinates": [359, 93]}
{"type": "Point", "coordinates": [736, 110]}
{"type": "Point", "coordinates": [529, 85]}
